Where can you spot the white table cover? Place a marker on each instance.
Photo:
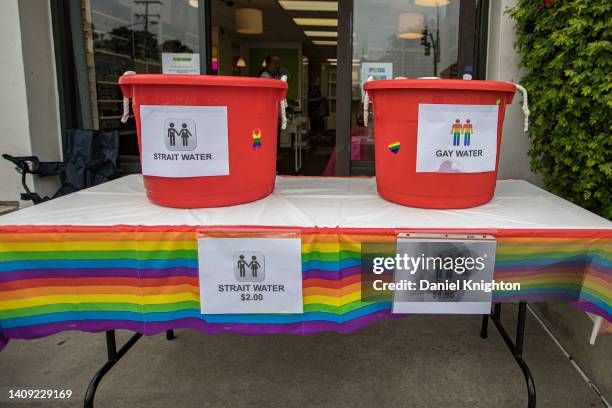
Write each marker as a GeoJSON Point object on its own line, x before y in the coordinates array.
{"type": "Point", "coordinates": [312, 202]}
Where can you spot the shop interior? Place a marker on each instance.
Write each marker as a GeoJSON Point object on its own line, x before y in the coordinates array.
{"type": "Point", "coordinates": [302, 35]}
{"type": "Point", "coordinates": [391, 38]}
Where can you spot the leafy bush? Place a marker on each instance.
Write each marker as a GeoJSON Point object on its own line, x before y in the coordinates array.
{"type": "Point", "coordinates": [566, 51]}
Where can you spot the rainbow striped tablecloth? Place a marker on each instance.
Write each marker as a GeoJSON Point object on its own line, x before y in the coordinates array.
{"type": "Point", "coordinates": [145, 278]}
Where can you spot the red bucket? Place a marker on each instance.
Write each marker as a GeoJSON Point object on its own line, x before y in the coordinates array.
{"type": "Point", "coordinates": [206, 141]}
{"type": "Point", "coordinates": [437, 141]}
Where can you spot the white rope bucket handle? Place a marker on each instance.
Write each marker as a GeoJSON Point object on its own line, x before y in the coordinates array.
{"type": "Point", "coordinates": [524, 106]}
{"type": "Point", "coordinates": [283, 108]}
{"type": "Point", "coordinates": [126, 102]}
{"type": "Point", "coordinates": [366, 104]}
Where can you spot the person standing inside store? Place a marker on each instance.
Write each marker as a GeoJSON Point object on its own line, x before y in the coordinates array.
{"type": "Point", "coordinates": [316, 109]}
{"type": "Point", "coordinates": [272, 69]}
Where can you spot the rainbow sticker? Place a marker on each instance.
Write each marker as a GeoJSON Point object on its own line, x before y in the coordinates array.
{"type": "Point", "coordinates": [394, 147]}
{"type": "Point", "coordinates": [256, 138]}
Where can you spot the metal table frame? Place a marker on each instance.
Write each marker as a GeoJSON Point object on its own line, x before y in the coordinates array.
{"type": "Point", "coordinates": [515, 347]}
{"type": "Point", "coordinates": [114, 356]}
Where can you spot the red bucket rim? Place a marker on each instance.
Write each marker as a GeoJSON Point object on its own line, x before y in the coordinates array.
{"type": "Point", "coordinates": [203, 80]}
{"type": "Point", "coordinates": [441, 84]}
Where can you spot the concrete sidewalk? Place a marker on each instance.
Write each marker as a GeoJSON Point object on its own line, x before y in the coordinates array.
{"type": "Point", "coordinates": [420, 361]}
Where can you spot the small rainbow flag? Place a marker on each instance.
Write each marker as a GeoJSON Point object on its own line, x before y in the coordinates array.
{"type": "Point", "coordinates": [394, 147]}
{"type": "Point", "coordinates": [256, 138]}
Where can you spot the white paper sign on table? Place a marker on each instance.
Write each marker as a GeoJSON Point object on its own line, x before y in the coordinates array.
{"type": "Point", "coordinates": [250, 275]}
{"type": "Point", "coordinates": [445, 274]}
{"type": "Point", "coordinates": [184, 141]}
{"type": "Point", "coordinates": [457, 138]}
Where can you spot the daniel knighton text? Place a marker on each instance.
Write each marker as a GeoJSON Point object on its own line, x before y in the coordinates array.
{"type": "Point", "coordinates": [458, 265]}
{"type": "Point", "coordinates": [466, 285]}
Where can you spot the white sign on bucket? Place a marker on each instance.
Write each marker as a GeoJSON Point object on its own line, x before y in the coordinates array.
{"type": "Point", "coordinates": [457, 138]}
{"type": "Point", "coordinates": [184, 141]}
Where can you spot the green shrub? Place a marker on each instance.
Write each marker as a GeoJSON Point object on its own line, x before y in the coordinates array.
{"type": "Point", "coordinates": [566, 51]}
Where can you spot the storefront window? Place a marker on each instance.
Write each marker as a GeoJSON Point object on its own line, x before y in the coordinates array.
{"type": "Point", "coordinates": [406, 38]}
{"type": "Point", "coordinates": [391, 38]}
{"type": "Point", "coordinates": [131, 35]}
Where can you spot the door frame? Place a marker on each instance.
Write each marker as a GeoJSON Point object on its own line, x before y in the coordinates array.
{"type": "Point", "coordinates": [344, 85]}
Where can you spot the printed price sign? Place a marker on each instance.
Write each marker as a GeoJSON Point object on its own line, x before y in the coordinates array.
{"type": "Point", "coordinates": [444, 274]}
{"type": "Point", "coordinates": [250, 275]}
{"type": "Point", "coordinates": [432, 273]}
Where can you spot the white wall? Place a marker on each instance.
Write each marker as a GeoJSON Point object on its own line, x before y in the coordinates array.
{"type": "Point", "coordinates": [14, 123]}
{"type": "Point", "coordinates": [503, 65]}
{"type": "Point", "coordinates": [29, 112]}
{"type": "Point", "coordinates": [41, 87]}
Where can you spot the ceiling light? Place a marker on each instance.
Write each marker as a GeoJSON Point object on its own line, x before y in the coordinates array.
{"type": "Point", "coordinates": [325, 22]}
{"type": "Point", "coordinates": [193, 3]}
{"type": "Point", "coordinates": [430, 3]}
{"type": "Point", "coordinates": [323, 42]}
{"type": "Point", "coordinates": [321, 34]}
{"type": "Point", "coordinates": [332, 60]}
{"type": "Point", "coordinates": [249, 21]}
{"type": "Point", "coordinates": [411, 25]}
{"type": "Point", "coordinates": [309, 5]}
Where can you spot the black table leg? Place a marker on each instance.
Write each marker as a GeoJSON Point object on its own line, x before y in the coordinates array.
{"type": "Point", "coordinates": [484, 328]}
{"type": "Point", "coordinates": [113, 357]}
{"type": "Point", "coordinates": [516, 346]}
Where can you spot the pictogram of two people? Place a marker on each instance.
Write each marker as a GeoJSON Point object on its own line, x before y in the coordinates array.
{"type": "Point", "coordinates": [467, 129]}
{"type": "Point", "coordinates": [184, 134]}
{"type": "Point", "coordinates": [254, 265]}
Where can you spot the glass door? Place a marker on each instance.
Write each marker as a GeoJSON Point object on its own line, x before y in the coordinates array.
{"type": "Point", "coordinates": [411, 39]}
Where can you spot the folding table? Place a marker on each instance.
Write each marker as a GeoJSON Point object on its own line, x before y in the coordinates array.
{"type": "Point", "coordinates": [105, 258]}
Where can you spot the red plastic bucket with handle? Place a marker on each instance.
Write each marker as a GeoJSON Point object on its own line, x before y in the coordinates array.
{"type": "Point", "coordinates": [437, 141]}
{"type": "Point", "coordinates": [206, 141]}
